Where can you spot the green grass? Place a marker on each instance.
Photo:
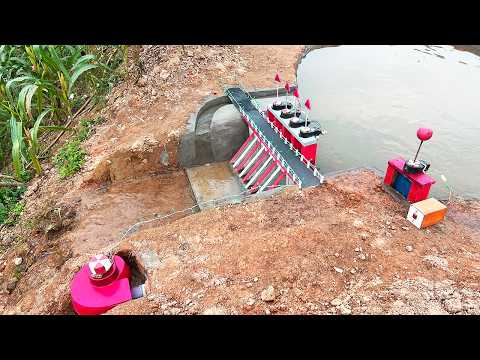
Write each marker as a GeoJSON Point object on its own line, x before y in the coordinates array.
{"type": "Point", "coordinates": [10, 208]}
{"type": "Point", "coordinates": [87, 128]}
{"type": "Point", "coordinates": [69, 159]}
{"type": "Point", "coordinates": [41, 86]}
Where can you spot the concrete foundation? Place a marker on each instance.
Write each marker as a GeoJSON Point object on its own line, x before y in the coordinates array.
{"type": "Point", "coordinates": [216, 131]}
{"type": "Point", "coordinates": [215, 184]}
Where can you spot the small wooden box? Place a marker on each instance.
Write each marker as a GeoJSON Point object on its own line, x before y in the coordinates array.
{"type": "Point", "coordinates": [426, 212]}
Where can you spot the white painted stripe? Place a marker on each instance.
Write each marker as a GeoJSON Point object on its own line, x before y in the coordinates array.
{"type": "Point", "coordinates": [254, 178]}
{"type": "Point", "coordinates": [270, 179]}
{"type": "Point", "coordinates": [247, 149]}
{"type": "Point", "coordinates": [251, 162]}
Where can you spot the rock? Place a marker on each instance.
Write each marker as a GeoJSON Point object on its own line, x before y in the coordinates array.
{"type": "Point", "coordinates": [18, 261]}
{"type": "Point", "coordinates": [336, 302]}
{"type": "Point", "coordinates": [154, 92]}
{"type": "Point", "coordinates": [151, 297]}
{"type": "Point", "coordinates": [142, 82]}
{"type": "Point", "coordinates": [409, 248]}
{"type": "Point", "coordinates": [357, 249]}
{"type": "Point", "coordinates": [364, 236]}
{"type": "Point", "coordinates": [338, 270]}
{"type": "Point", "coordinates": [7, 240]}
{"type": "Point", "coordinates": [353, 271]}
{"type": "Point", "coordinates": [267, 312]}
{"type": "Point", "coordinates": [406, 228]}
{"type": "Point", "coordinates": [11, 284]}
{"type": "Point", "coordinates": [453, 305]}
{"type": "Point", "coordinates": [164, 74]}
{"type": "Point", "coordinates": [345, 310]}
{"type": "Point", "coordinates": [268, 294]}
{"type": "Point", "coordinates": [255, 279]}
{"type": "Point", "coordinates": [214, 310]}
{"type": "Point", "coordinates": [250, 302]}
{"type": "Point", "coordinates": [337, 254]}
{"type": "Point", "coordinates": [362, 257]}
{"type": "Point", "coordinates": [437, 261]}
{"type": "Point", "coordinates": [358, 223]}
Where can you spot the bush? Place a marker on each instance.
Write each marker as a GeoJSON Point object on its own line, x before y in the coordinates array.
{"type": "Point", "coordinates": [10, 208]}
{"type": "Point", "coordinates": [69, 159]}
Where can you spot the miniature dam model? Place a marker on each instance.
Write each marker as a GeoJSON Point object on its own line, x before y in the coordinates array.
{"type": "Point", "coordinates": [279, 151]}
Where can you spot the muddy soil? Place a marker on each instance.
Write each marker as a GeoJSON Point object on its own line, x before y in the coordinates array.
{"type": "Point", "coordinates": [344, 248]}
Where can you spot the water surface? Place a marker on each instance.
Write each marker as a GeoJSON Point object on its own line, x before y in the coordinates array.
{"type": "Point", "coordinates": [372, 99]}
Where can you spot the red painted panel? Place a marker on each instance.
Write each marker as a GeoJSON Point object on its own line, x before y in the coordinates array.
{"type": "Point", "coordinates": [310, 152]}
{"type": "Point", "coordinates": [254, 167]}
{"type": "Point", "coordinates": [244, 145]}
{"type": "Point", "coordinates": [248, 156]}
{"type": "Point", "coordinates": [264, 175]}
{"type": "Point", "coordinates": [277, 180]}
{"type": "Point", "coordinates": [389, 175]}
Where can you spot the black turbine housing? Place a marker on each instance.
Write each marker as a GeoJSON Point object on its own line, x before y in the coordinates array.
{"type": "Point", "coordinates": [282, 105]}
{"type": "Point", "coordinates": [416, 167]}
{"type": "Point", "coordinates": [287, 114]}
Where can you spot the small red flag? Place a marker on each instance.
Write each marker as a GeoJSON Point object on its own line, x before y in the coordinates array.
{"type": "Point", "coordinates": [287, 87]}
{"type": "Point", "coordinates": [295, 93]}
{"type": "Point", "coordinates": [277, 78]}
{"type": "Point", "coordinates": [307, 104]}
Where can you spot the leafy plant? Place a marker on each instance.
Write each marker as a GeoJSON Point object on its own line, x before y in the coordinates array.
{"type": "Point", "coordinates": [69, 159]}
{"type": "Point", "coordinates": [40, 88]}
{"type": "Point", "coordinates": [86, 128]}
{"type": "Point", "coordinates": [10, 208]}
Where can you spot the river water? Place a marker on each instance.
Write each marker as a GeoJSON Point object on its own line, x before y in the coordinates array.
{"type": "Point", "coordinates": [372, 99]}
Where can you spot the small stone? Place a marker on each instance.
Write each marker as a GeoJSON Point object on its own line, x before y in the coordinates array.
{"type": "Point", "coordinates": [142, 82]}
{"type": "Point", "coordinates": [393, 227]}
{"type": "Point", "coordinates": [11, 284]}
{"type": "Point", "coordinates": [268, 294]}
{"type": "Point", "coordinates": [358, 223]}
{"type": "Point", "coordinates": [453, 305]}
{"type": "Point", "coordinates": [267, 312]}
{"type": "Point", "coordinates": [362, 257]}
{"type": "Point", "coordinates": [358, 249]}
{"type": "Point", "coordinates": [338, 270]}
{"type": "Point", "coordinates": [345, 310]}
{"type": "Point", "coordinates": [151, 297]}
{"type": "Point", "coordinates": [364, 236]}
{"type": "Point", "coordinates": [255, 279]}
{"type": "Point", "coordinates": [249, 284]}
{"type": "Point", "coordinates": [406, 228]}
{"type": "Point", "coordinates": [353, 271]}
{"type": "Point", "coordinates": [388, 222]}
{"type": "Point", "coordinates": [409, 248]}
{"type": "Point", "coordinates": [250, 302]}
{"type": "Point", "coordinates": [18, 261]}
{"type": "Point", "coordinates": [336, 302]}
{"type": "Point", "coordinates": [214, 310]}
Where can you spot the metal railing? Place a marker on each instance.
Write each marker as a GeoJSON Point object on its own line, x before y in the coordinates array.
{"type": "Point", "coordinates": [267, 142]}
{"type": "Point", "coordinates": [309, 165]}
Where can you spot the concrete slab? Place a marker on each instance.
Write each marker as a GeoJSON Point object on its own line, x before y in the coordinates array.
{"type": "Point", "coordinates": [215, 184]}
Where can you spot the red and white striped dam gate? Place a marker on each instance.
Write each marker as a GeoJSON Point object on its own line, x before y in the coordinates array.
{"type": "Point", "coordinates": [277, 152]}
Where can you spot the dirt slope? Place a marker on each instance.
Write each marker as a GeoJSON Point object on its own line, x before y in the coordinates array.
{"type": "Point", "coordinates": [334, 249]}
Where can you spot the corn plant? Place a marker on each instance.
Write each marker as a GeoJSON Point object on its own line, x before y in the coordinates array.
{"type": "Point", "coordinates": [39, 90]}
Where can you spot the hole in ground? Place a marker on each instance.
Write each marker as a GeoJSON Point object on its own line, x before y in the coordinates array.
{"type": "Point", "coordinates": [137, 270]}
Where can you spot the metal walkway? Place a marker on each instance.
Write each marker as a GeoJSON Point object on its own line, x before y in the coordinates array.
{"type": "Point", "coordinates": [293, 164]}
